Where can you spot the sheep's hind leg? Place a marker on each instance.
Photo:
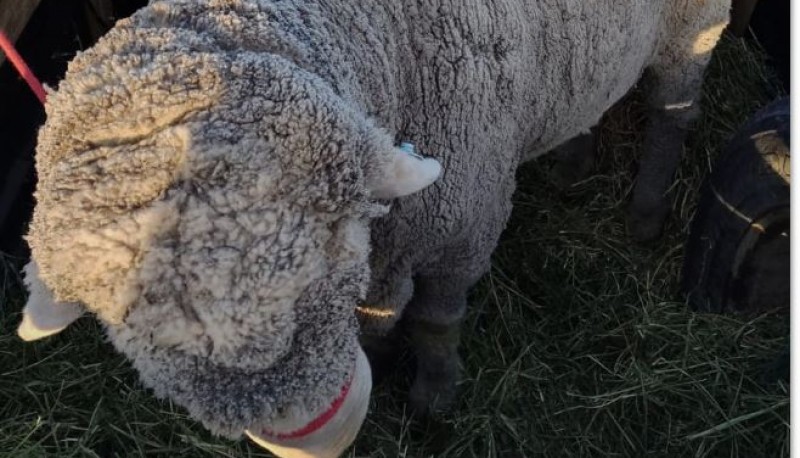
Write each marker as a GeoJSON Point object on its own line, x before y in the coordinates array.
{"type": "Point", "coordinates": [574, 159]}
{"type": "Point", "coordinates": [677, 77]}
{"type": "Point", "coordinates": [649, 208]}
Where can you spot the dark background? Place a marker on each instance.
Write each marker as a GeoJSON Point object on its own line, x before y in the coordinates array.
{"type": "Point", "coordinates": [61, 28]}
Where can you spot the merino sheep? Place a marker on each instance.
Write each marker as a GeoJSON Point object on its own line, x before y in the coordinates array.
{"type": "Point", "coordinates": [218, 183]}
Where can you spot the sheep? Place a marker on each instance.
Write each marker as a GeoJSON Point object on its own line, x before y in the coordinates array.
{"type": "Point", "coordinates": [219, 184]}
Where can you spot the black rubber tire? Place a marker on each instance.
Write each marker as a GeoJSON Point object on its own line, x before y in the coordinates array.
{"type": "Point", "coordinates": [737, 256]}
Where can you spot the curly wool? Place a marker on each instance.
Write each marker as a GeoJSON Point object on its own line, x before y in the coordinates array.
{"type": "Point", "coordinates": [204, 173]}
{"type": "Point", "coordinates": [189, 207]}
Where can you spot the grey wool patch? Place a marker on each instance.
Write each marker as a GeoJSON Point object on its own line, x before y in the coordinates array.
{"type": "Point", "coordinates": [204, 173]}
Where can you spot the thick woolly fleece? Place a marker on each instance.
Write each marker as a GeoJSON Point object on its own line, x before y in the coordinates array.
{"type": "Point", "coordinates": [204, 173]}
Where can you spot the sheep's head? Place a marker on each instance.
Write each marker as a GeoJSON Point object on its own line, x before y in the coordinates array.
{"type": "Point", "coordinates": [213, 212]}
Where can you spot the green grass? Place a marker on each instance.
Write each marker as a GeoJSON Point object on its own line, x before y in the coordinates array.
{"type": "Point", "coordinates": [578, 342]}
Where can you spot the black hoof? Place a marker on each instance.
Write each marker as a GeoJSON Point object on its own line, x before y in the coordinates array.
{"type": "Point", "coordinates": [646, 226]}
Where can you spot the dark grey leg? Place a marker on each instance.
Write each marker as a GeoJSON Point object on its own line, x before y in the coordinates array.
{"type": "Point", "coordinates": [677, 72]}
{"type": "Point", "coordinates": [383, 352]}
{"type": "Point", "coordinates": [434, 317]}
{"type": "Point", "coordinates": [438, 365]}
{"type": "Point", "coordinates": [663, 145]}
{"type": "Point", "coordinates": [574, 160]}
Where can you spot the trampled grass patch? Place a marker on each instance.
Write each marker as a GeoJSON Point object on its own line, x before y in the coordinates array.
{"type": "Point", "coordinates": [578, 342]}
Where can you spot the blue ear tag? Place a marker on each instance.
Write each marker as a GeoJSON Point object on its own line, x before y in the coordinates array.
{"type": "Point", "coordinates": [408, 148]}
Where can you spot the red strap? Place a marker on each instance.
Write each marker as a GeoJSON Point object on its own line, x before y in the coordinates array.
{"type": "Point", "coordinates": [22, 68]}
{"type": "Point", "coordinates": [316, 423]}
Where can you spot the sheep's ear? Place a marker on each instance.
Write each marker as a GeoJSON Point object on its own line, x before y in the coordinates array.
{"type": "Point", "coordinates": [406, 173]}
{"type": "Point", "coordinates": [42, 316]}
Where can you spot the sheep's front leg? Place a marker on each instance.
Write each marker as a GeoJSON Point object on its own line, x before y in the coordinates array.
{"type": "Point", "coordinates": [677, 77]}
{"type": "Point", "coordinates": [438, 365]}
{"type": "Point", "coordinates": [435, 316]}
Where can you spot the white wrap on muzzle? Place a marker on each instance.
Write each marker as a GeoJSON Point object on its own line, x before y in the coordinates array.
{"type": "Point", "coordinates": [330, 433]}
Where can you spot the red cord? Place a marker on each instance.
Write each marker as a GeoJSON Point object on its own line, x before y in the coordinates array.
{"type": "Point", "coordinates": [21, 67]}
{"type": "Point", "coordinates": [316, 423]}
